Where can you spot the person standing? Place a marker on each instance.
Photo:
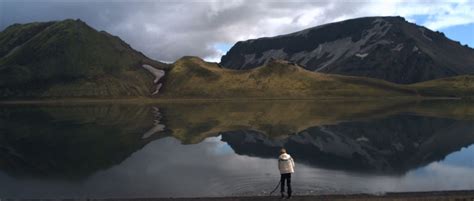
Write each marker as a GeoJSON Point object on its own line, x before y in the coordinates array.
{"type": "Point", "coordinates": [286, 165]}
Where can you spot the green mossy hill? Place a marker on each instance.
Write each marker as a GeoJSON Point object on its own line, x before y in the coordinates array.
{"type": "Point", "coordinates": [459, 86]}
{"type": "Point", "coordinates": [191, 77]}
{"type": "Point", "coordinates": [37, 57]}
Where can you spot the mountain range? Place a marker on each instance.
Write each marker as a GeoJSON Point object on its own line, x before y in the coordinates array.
{"type": "Point", "coordinates": [388, 48]}
{"type": "Point", "coordinates": [364, 57]}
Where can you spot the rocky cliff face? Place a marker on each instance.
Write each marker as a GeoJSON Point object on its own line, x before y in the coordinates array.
{"type": "Point", "coordinates": [388, 48]}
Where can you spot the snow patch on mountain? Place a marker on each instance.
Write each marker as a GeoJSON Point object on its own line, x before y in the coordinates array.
{"type": "Point", "coordinates": [415, 49]}
{"type": "Point", "coordinates": [158, 75]}
{"type": "Point", "coordinates": [362, 56]}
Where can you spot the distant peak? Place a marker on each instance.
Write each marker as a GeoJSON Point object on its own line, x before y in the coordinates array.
{"type": "Point", "coordinates": [72, 22]}
{"type": "Point", "coordinates": [190, 58]}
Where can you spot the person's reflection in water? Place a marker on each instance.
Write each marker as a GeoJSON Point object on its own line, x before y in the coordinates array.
{"type": "Point", "coordinates": [286, 165]}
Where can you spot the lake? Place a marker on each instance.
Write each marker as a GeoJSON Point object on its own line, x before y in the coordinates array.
{"type": "Point", "coordinates": [190, 149]}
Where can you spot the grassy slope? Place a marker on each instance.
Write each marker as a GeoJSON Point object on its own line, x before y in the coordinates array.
{"type": "Point", "coordinates": [192, 77]}
{"type": "Point", "coordinates": [459, 86]}
{"type": "Point", "coordinates": [69, 58]}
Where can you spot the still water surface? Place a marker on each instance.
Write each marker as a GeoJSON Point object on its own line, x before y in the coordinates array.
{"type": "Point", "coordinates": [224, 149]}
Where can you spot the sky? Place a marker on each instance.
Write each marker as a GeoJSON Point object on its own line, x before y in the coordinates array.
{"type": "Point", "coordinates": [166, 30]}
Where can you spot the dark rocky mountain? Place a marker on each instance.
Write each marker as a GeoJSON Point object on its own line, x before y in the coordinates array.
{"type": "Point", "coordinates": [71, 59]}
{"type": "Point", "coordinates": [388, 48]}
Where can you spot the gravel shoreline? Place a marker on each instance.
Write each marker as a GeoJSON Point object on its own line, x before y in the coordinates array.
{"type": "Point", "coordinates": [464, 195]}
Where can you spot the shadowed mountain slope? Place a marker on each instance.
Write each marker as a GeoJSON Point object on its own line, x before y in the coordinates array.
{"type": "Point", "coordinates": [70, 59]}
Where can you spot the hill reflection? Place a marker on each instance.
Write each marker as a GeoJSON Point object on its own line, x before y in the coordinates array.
{"type": "Point", "coordinates": [75, 141]}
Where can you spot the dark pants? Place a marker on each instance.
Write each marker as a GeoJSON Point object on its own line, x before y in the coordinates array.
{"type": "Point", "coordinates": [286, 177]}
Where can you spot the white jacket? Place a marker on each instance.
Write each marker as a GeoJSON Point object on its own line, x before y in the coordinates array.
{"type": "Point", "coordinates": [286, 164]}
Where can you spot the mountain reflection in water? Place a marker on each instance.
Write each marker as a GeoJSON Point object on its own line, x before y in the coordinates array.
{"type": "Point", "coordinates": [78, 144]}
{"type": "Point", "coordinates": [393, 144]}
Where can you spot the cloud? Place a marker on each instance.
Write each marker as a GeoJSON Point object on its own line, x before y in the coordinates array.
{"type": "Point", "coordinates": [439, 14]}
{"type": "Point", "coordinates": [167, 30]}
